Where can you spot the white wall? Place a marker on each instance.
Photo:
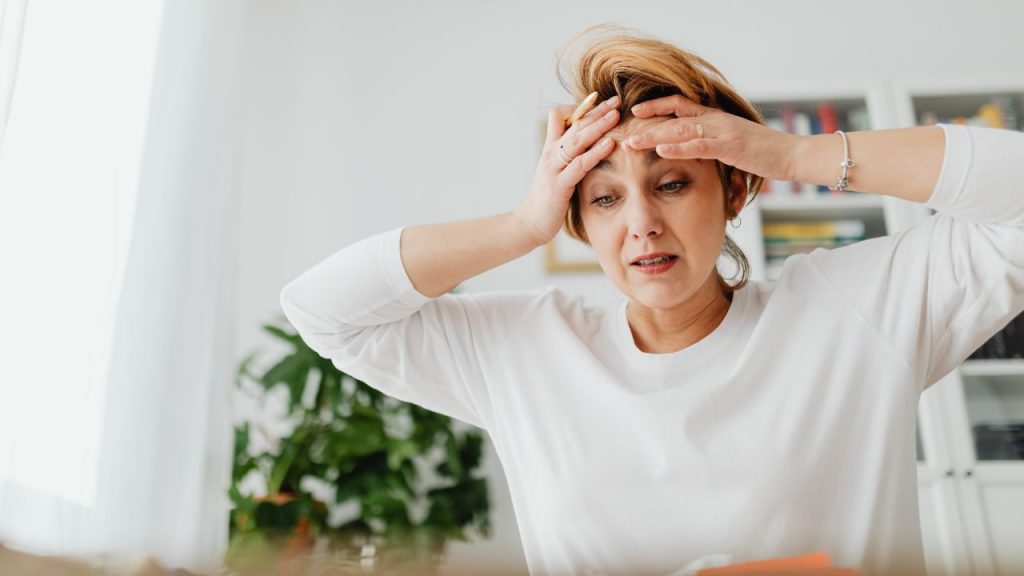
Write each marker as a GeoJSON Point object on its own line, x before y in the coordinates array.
{"type": "Point", "coordinates": [365, 116]}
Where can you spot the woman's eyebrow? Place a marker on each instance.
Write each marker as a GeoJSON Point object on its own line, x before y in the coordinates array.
{"type": "Point", "coordinates": [651, 158]}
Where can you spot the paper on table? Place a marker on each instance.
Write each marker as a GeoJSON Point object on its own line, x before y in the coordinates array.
{"type": "Point", "coordinates": [815, 563]}
{"type": "Point", "coordinates": [708, 561]}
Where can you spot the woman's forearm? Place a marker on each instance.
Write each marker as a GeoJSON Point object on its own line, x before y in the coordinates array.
{"type": "Point", "coordinates": [438, 257]}
{"type": "Point", "coordinates": [900, 162]}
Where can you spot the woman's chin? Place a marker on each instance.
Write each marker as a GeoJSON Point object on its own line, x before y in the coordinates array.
{"type": "Point", "coordinates": [663, 295]}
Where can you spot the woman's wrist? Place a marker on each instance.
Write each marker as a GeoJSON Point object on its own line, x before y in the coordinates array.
{"type": "Point", "coordinates": [815, 159]}
{"type": "Point", "coordinates": [899, 162]}
{"type": "Point", "coordinates": [520, 233]}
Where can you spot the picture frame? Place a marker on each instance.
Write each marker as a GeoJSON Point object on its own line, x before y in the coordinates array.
{"type": "Point", "coordinates": [567, 255]}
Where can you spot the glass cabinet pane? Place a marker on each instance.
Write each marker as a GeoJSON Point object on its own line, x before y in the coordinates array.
{"type": "Point", "coordinates": [995, 410]}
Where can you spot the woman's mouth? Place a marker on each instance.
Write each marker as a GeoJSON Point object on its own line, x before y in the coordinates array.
{"type": "Point", "coordinates": [657, 265]}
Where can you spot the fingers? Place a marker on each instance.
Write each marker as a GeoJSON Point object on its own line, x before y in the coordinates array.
{"type": "Point", "coordinates": [575, 142]}
{"type": "Point", "coordinates": [582, 135]}
{"type": "Point", "coordinates": [595, 114]}
{"type": "Point", "coordinates": [679, 139]}
{"type": "Point", "coordinates": [556, 121]}
{"type": "Point", "coordinates": [708, 148]}
{"type": "Point", "coordinates": [558, 115]}
{"type": "Point", "coordinates": [585, 162]}
{"type": "Point", "coordinates": [667, 105]}
{"type": "Point", "coordinates": [669, 132]}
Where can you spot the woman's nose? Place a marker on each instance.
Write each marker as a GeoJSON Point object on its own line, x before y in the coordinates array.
{"type": "Point", "coordinates": [644, 218]}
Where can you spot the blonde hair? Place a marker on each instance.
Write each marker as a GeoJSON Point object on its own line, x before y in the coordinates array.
{"type": "Point", "coordinates": [639, 68]}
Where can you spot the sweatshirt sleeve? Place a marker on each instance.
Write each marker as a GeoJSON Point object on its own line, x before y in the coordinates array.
{"type": "Point", "coordinates": [359, 309]}
{"type": "Point", "coordinates": [939, 290]}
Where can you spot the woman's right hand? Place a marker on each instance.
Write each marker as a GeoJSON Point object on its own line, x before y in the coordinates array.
{"type": "Point", "coordinates": [543, 211]}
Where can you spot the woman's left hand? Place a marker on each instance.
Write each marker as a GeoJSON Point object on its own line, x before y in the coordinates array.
{"type": "Point", "coordinates": [732, 140]}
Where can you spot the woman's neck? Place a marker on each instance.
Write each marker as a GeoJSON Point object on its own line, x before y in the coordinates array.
{"type": "Point", "coordinates": [661, 331]}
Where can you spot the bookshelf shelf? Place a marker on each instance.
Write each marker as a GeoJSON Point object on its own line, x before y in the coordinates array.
{"type": "Point", "coordinates": [993, 367]}
{"type": "Point", "coordinates": [822, 202]}
{"type": "Point", "coordinates": [869, 208]}
{"type": "Point", "coordinates": [995, 410]}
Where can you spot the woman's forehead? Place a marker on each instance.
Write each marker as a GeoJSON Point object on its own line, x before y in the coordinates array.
{"type": "Point", "coordinates": [633, 125]}
{"type": "Point", "coordinates": [648, 156]}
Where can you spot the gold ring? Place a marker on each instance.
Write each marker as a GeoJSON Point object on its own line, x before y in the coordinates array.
{"type": "Point", "coordinates": [566, 159]}
{"type": "Point", "coordinates": [700, 130]}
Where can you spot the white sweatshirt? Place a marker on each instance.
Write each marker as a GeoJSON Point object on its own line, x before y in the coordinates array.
{"type": "Point", "coordinates": [787, 430]}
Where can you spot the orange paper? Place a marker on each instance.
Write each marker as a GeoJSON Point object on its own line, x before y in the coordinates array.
{"type": "Point", "coordinates": [815, 563]}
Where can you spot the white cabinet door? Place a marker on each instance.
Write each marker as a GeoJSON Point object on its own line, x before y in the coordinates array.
{"type": "Point", "coordinates": [945, 542]}
{"type": "Point", "coordinates": [993, 498]}
{"type": "Point", "coordinates": [944, 550]}
{"type": "Point", "coordinates": [988, 405]}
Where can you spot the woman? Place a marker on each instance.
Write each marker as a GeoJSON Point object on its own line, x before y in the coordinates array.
{"type": "Point", "coordinates": [695, 417]}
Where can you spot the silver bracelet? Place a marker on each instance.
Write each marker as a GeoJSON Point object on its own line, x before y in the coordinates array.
{"type": "Point", "coordinates": [843, 181]}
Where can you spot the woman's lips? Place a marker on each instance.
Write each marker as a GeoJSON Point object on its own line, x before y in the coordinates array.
{"type": "Point", "coordinates": [657, 268]}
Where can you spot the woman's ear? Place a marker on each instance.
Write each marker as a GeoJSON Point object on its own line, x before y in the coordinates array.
{"type": "Point", "coordinates": [737, 191]}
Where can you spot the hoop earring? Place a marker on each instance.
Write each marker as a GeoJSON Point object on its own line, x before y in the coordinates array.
{"type": "Point", "coordinates": [735, 222]}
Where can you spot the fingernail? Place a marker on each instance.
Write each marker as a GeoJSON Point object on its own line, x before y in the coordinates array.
{"type": "Point", "coordinates": [610, 113]}
{"type": "Point", "coordinates": [636, 108]}
{"type": "Point", "coordinates": [613, 100]}
{"type": "Point", "coordinates": [606, 141]}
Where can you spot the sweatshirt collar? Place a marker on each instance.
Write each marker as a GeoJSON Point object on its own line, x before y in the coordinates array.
{"type": "Point", "coordinates": [693, 354]}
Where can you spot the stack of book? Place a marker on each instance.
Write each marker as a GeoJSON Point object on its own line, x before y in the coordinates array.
{"type": "Point", "coordinates": [999, 441]}
{"type": "Point", "coordinates": [783, 239]}
{"type": "Point", "coordinates": [1007, 343]}
{"type": "Point", "coordinates": [826, 120]}
{"type": "Point", "coordinates": [999, 112]}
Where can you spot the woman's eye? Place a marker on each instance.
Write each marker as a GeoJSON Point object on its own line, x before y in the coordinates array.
{"type": "Point", "coordinates": [607, 201]}
{"type": "Point", "coordinates": [675, 186]}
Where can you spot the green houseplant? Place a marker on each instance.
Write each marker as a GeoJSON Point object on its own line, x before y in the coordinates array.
{"type": "Point", "coordinates": [363, 446]}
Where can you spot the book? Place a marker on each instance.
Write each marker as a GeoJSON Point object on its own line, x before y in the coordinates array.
{"type": "Point", "coordinates": [823, 229]}
{"type": "Point", "coordinates": [784, 239]}
{"type": "Point", "coordinates": [858, 119]}
{"type": "Point", "coordinates": [999, 112]}
{"type": "Point", "coordinates": [1010, 119]}
{"type": "Point", "coordinates": [999, 441]}
{"type": "Point", "coordinates": [828, 118]}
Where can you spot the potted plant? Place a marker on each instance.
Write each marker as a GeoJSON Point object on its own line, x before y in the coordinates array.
{"type": "Point", "coordinates": [359, 446]}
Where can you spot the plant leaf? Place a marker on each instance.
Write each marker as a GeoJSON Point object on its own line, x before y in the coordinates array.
{"type": "Point", "coordinates": [280, 468]}
{"type": "Point", "coordinates": [292, 337]}
{"type": "Point", "coordinates": [284, 371]}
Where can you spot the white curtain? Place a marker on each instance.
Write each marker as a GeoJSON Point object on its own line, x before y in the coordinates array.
{"type": "Point", "coordinates": [117, 202]}
{"type": "Point", "coordinates": [12, 19]}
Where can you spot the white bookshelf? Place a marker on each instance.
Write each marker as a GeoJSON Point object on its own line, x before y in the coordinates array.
{"type": "Point", "coordinates": [964, 498]}
{"type": "Point", "coordinates": [856, 107]}
{"type": "Point", "coordinates": [970, 483]}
